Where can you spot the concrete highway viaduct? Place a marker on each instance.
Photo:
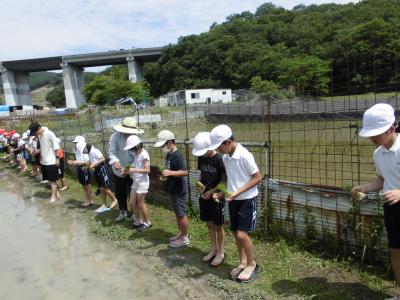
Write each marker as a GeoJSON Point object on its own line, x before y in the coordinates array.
{"type": "Point", "coordinates": [15, 73]}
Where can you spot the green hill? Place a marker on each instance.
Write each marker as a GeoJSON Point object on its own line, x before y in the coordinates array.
{"type": "Point", "coordinates": [316, 49]}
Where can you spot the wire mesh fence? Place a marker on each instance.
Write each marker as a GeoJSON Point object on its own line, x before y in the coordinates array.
{"type": "Point", "coordinates": [307, 149]}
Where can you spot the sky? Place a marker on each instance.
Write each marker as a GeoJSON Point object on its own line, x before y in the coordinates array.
{"type": "Point", "coordinates": [41, 28]}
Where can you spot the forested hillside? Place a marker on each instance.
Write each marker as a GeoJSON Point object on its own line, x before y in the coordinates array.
{"type": "Point", "coordinates": [316, 49]}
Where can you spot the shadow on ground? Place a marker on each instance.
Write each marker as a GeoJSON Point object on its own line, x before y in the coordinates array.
{"type": "Point", "coordinates": [320, 288]}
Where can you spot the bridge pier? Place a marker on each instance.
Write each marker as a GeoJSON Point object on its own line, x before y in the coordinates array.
{"type": "Point", "coordinates": [73, 84]}
{"type": "Point", "coordinates": [16, 87]}
{"type": "Point", "coordinates": [135, 69]}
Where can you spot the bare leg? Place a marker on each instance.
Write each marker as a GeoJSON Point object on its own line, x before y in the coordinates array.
{"type": "Point", "coordinates": [220, 236]}
{"type": "Point", "coordinates": [142, 208]}
{"type": "Point", "coordinates": [183, 225]}
{"type": "Point", "coordinates": [213, 239]}
{"type": "Point", "coordinates": [242, 256]}
{"type": "Point", "coordinates": [247, 245]}
{"type": "Point", "coordinates": [54, 192]}
{"type": "Point", "coordinates": [134, 207]}
{"type": "Point", "coordinates": [111, 195]}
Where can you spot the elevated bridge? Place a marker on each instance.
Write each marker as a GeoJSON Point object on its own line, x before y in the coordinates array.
{"type": "Point", "coordinates": [15, 73]}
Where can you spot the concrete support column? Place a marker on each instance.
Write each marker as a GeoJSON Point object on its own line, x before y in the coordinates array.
{"type": "Point", "coordinates": [73, 84]}
{"type": "Point", "coordinates": [16, 87]}
{"type": "Point", "coordinates": [135, 69]}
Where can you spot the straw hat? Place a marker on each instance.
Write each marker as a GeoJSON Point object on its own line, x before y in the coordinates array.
{"type": "Point", "coordinates": [128, 125]}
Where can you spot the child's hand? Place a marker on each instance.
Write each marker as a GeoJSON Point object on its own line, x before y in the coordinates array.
{"type": "Point", "coordinates": [392, 197]}
{"type": "Point", "coordinates": [207, 195]}
{"type": "Point", "coordinates": [217, 196]}
{"type": "Point", "coordinates": [92, 166]}
{"type": "Point", "coordinates": [232, 197]}
{"type": "Point", "coordinates": [70, 162]}
{"type": "Point", "coordinates": [167, 173]}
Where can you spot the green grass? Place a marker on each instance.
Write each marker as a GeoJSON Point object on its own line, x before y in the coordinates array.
{"type": "Point", "coordinates": [288, 270]}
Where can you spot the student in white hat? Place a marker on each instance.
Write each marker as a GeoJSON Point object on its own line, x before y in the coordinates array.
{"type": "Point", "coordinates": [175, 185]}
{"type": "Point", "coordinates": [139, 173]}
{"type": "Point", "coordinates": [379, 125]}
{"type": "Point", "coordinates": [83, 173]}
{"type": "Point", "coordinates": [119, 159]}
{"type": "Point", "coordinates": [243, 176]}
{"type": "Point", "coordinates": [212, 169]}
{"type": "Point", "coordinates": [97, 163]}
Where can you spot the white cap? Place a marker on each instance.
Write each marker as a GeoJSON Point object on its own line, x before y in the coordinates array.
{"type": "Point", "coordinates": [377, 120]}
{"type": "Point", "coordinates": [132, 141]}
{"type": "Point", "coordinates": [21, 143]}
{"type": "Point", "coordinates": [16, 136]}
{"type": "Point", "coordinates": [162, 137]}
{"type": "Point", "coordinates": [128, 125]}
{"type": "Point", "coordinates": [80, 146]}
{"type": "Point", "coordinates": [24, 136]}
{"type": "Point", "coordinates": [219, 134]}
{"type": "Point", "coordinates": [201, 143]}
{"type": "Point", "coordinates": [78, 139]}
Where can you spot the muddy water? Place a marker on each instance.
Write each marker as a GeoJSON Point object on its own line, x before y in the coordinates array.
{"type": "Point", "coordinates": [45, 254]}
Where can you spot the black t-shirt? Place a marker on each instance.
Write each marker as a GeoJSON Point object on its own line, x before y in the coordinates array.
{"type": "Point", "coordinates": [175, 162]}
{"type": "Point", "coordinates": [212, 169]}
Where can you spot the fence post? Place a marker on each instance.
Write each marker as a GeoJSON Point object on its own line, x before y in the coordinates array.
{"type": "Point", "coordinates": [186, 143]}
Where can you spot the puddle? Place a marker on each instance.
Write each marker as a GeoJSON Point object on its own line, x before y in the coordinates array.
{"type": "Point", "coordinates": [46, 254]}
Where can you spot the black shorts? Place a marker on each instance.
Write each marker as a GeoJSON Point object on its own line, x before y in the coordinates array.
{"type": "Point", "coordinates": [392, 224]}
{"type": "Point", "coordinates": [61, 168]}
{"type": "Point", "coordinates": [211, 210]}
{"type": "Point", "coordinates": [50, 173]}
{"type": "Point", "coordinates": [102, 177]}
{"type": "Point", "coordinates": [36, 160]}
{"type": "Point", "coordinates": [243, 214]}
{"type": "Point", "coordinates": [83, 175]}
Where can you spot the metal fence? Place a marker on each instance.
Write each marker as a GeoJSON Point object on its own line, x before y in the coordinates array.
{"type": "Point", "coordinates": [308, 152]}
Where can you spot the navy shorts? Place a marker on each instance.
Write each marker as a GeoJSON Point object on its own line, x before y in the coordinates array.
{"type": "Point", "coordinates": [102, 177]}
{"type": "Point", "coordinates": [392, 224]}
{"type": "Point", "coordinates": [50, 173]}
{"type": "Point", "coordinates": [178, 203]}
{"type": "Point", "coordinates": [243, 214]}
{"type": "Point", "coordinates": [212, 211]}
{"type": "Point", "coordinates": [83, 175]}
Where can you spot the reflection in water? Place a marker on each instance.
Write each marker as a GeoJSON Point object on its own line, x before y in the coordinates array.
{"type": "Point", "coordinates": [46, 254]}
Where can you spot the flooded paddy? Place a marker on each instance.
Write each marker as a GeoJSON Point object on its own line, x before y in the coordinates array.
{"type": "Point", "coordinates": [47, 254]}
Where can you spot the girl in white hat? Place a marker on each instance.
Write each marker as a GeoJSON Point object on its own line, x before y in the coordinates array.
{"type": "Point", "coordinates": [96, 160]}
{"type": "Point", "coordinates": [140, 186]}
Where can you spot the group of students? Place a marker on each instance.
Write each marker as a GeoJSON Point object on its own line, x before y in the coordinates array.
{"type": "Point", "coordinates": [22, 150]}
{"type": "Point", "coordinates": [220, 159]}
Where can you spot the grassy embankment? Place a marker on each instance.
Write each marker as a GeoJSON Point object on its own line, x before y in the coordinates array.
{"type": "Point", "coordinates": [288, 271]}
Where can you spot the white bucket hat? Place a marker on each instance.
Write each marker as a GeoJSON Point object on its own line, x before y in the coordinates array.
{"type": "Point", "coordinates": [128, 125]}
{"type": "Point", "coordinates": [377, 120]}
{"type": "Point", "coordinates": [24, 136]}
{"type": "Point", "coordinates": [218, 135]}
{"type": "Point", "coordinates": [201, 143]}
{"type": "Point", "coordinates": [132, 141]}
{"type": "Point", "coordinates": [78, 139]}
{"type": "Point", "coordinates": [16, 136]}
{"type": "Point", "coordinates": [162, 137]}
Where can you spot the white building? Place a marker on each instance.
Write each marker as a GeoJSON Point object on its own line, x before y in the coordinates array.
{"type": "Point", "coordinates": [196, 96]}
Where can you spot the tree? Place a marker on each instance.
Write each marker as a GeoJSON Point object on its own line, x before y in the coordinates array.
{"type": "Point", "coordinates": [56, 96]}
{"type": "Point", "coordinates": [265, 87]}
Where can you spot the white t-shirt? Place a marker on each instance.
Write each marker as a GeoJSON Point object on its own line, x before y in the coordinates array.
{"type": "Point", "coordinates": [139, 163]}
{"type": "Point", "coordinates": [80, 156]}
{"type": "Point", "coordinates": [387, 162]}
{"type": "Point", "coordinates": [48, 145]}
{"type": "Point", "coordinates": [94, 155]}
{"type": "Point", "coordinates": [239, 170]}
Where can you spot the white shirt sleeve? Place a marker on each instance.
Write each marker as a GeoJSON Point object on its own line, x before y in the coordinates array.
{"type": "Point", "coordinates": [250, 164]}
